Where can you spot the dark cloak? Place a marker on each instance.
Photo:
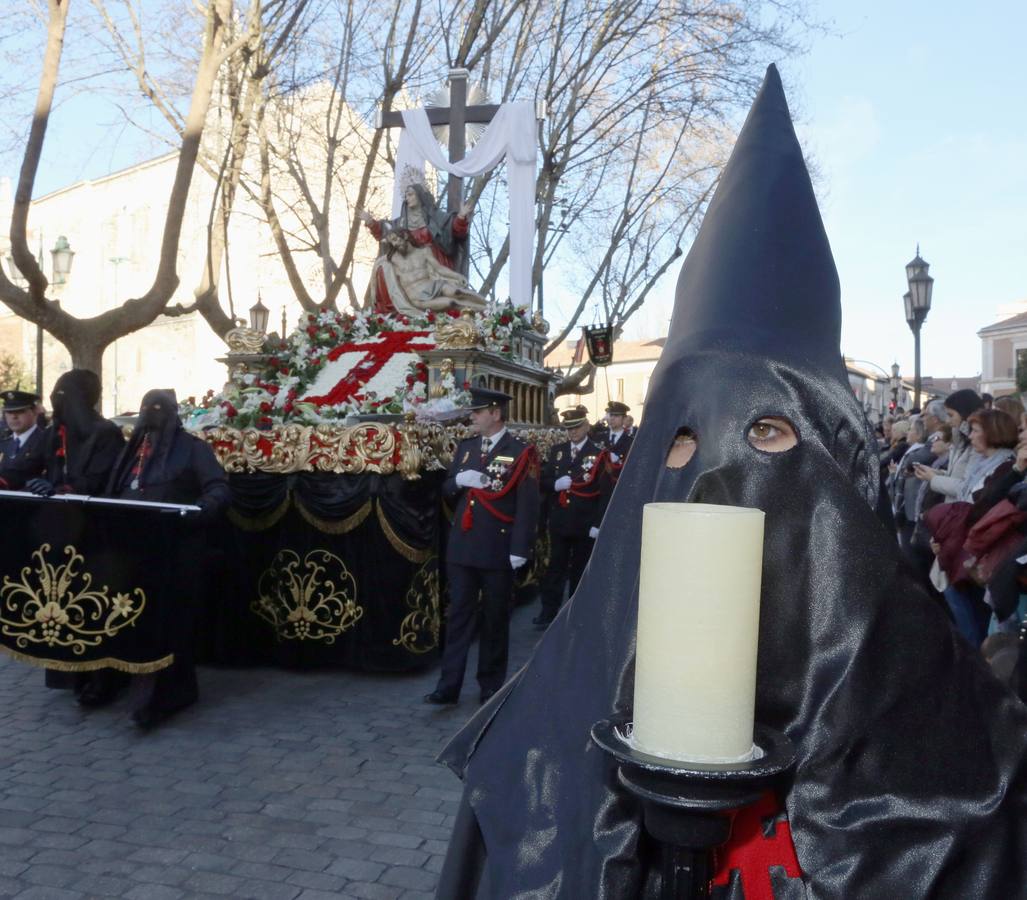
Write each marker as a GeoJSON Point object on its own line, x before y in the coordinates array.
{"type": "Point", "coordinates": [92, 442]}
{"type": "Point", "coordinates": [180, 467]}
{"type": "Point", "coordinates": [910, 778]}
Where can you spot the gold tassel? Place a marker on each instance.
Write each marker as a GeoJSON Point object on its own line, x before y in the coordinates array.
{"type": "Point", "coordinates": [398, 544]}
{"type": "Point", "coordinates": [262, 522]}
{"type": "Point", "coordinates": [108, 662]}
{"type": "Point", "coordinates": [330, 526]}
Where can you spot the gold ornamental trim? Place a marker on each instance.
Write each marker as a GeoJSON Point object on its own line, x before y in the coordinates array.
{"type": "Point", "coordinates": [334, 526]}
{"type": "Point", "coordinates": [54, 604]}
{"type": "Point", "coordinates": [108, 662]}
{"type": "Point", "coordinates": [309, 599]}
{"type": "Point", "coordinates": [419, 630]}
{"type": "Point", "coordinates": [262, 522]}
{"type": "Point", "coordinates": [381, 448]}
{"type": "Point", "coordinates": [404, 549]}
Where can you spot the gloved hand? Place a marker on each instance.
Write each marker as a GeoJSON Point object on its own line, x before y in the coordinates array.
{"type": "Point", "coordinates": [40, 487]}
{"type": "Point", "coordinates": [562, 483]}
{"type": "Point", "coordinates": [517, 561]}
{"type": "Point", "coordinates": [471, 478]}
{"type": "Point", "coordinates": [615, 457]}
{"type": "Point", "coordinates": [593, 532]}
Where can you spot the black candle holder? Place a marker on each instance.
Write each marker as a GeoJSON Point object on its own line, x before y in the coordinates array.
{"type": "Point", "coordinates": [685, 804]}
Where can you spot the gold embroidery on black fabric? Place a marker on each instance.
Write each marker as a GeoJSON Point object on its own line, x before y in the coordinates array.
{"type": "Point", "coordinates": [398, 544]}
{"type": "Point", "coordinates": [312, 599]}
{"type": "Point", "coordinates": [91, 665]}
{"type": "Point", "coordinates": [55, 605]}
{"type": "Point", "coordinates": [419, 630]}
{"type": "Point", "coordinates": [334, 526]}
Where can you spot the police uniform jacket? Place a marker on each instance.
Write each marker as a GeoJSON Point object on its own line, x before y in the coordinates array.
{"type": "Point", "coordinates": [490, 541]}
{"type": "Point", "coordinates": [19, 465]}
{"type": "Point", "coordinates": [621, 446]}
{"type": "Point", "coordinates": [575, 515]}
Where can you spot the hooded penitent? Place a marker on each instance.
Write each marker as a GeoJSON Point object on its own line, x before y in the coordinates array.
{"type": "Point", "coordinates": [145, 458]}
{"type": "Point", "coordinates": [910, 777]}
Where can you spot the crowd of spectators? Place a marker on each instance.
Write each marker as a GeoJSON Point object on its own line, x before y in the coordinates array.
{"type": "Point", "coordinates": [953, 482]}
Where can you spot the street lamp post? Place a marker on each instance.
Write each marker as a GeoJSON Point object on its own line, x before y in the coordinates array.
{"type": "Point", "coordinates": [61, 257]}
{"type": "Point", "coordinates": [917, 303]}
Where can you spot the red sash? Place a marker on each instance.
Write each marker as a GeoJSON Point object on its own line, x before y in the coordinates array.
{"type": "Point", "coordinates": [584, 489]}
{"type": "Point", "coordinates": [526, 465]}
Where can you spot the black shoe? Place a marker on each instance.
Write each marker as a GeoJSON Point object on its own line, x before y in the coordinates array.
{"type": "Point", "coordinates": [486, 695]}
{"type": "Point", "coordinates": [94, 697]}
{"type": "Point", "coordinates": [441, 698]}
{"type": "Point", "coordinates": [147, 718]}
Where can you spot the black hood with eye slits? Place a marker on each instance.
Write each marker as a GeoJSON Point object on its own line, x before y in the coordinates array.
{"type": "Point", "coordinates": [910, 779]}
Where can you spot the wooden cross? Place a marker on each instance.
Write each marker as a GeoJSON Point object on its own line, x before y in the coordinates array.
{"type": "Point", "coordinates": [457, 115]}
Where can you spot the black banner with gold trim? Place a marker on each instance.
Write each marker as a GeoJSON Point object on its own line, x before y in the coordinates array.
{"type": "Point", "coordinates": [87, 585]}
{"type": "Point", "coordinates": [323, 569]}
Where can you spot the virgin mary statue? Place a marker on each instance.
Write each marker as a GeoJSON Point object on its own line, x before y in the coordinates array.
{"type": "Point", "coordinates": [421, 260]}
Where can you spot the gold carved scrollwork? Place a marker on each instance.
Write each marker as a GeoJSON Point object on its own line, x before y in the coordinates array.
{"type": "Point", "coordinates": [408, 448]}
{"type": "Point", "coordinates": [55, 605]}
{"type": "Point", "coordinates": [458, 334]}
{"type": "Point", "coordinates": [312, 599]}
{"type": "Point", "coordinates": [419, 630]}
{"type": "Point", "coordinates": [245, 340]}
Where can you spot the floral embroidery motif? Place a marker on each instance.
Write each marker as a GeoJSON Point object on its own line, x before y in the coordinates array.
{"type": "Point", "coordinates": [55, 604]}
{"type": "Point", "coordinates": [312, 599]}
{"type": "Point", "coordinates": [419, 630]}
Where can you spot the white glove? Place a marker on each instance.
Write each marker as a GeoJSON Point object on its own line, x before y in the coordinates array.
{"type": "Point", "coordinates": [470, 478]}
{"type": "Point", "coordinates": [593, 532]}
{"type": "Point", "coordinates": [615, 457]}
{"type": "Point", "coordinates": [562, 483]}
{"type": "Point", "coordinates": [517, 561]}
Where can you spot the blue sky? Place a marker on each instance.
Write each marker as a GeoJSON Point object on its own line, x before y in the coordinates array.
{"type": "Point", "coordinates": [916, 116]}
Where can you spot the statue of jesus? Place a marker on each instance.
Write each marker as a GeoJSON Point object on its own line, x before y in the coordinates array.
{"type": "Point", "coordinates": [419, 267]}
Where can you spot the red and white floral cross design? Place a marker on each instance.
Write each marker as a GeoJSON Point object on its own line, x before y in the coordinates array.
{"type": "Point", "coordinates": [377, 354]}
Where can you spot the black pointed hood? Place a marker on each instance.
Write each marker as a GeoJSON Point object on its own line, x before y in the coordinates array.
{"type": "Point", "coordinates": [760, 274]}
{"type": "Point", "coordinates": [908, 749]}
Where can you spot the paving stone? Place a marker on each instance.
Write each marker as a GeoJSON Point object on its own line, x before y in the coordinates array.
{"type": "Point", "coordinates": [278, 785]}
{"type": "Point", "coordinates": [369, 891]}
{"type": "Point", "coordinates": [153, 892]}
{"type": "Point", "coordinates": [408, 877]}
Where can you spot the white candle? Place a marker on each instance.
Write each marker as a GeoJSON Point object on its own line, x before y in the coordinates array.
{"type": "Point", "coordinates": [698, 631]}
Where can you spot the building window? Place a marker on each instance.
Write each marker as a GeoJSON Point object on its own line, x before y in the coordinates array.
{"type": "Point", "coordinates": [1021, 370]}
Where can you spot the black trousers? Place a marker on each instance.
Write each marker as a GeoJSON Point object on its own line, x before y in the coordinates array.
{"type": "Point", "coordinates": [568, 557]}
{"type": "Point", "coordinates": [473, 591]}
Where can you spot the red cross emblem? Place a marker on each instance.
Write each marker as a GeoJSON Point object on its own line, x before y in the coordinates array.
{"type": "Point", "coordinates": [376, 355]}
{"type": "Point", "coordinates": [755, 847]}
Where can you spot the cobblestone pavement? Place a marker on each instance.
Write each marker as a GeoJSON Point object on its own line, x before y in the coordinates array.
{"type": "Point", "coordinates": [277, 785]}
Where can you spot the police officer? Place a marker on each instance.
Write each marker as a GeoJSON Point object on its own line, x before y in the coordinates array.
{"type": "Point", "coordinates": [576, 495]}
{"type": "Point", "coordinates": [21, 454]}
{"type": "Point", "coordinates": [616, 437]}
{"type": "Point", "coordinates": [493, 484]}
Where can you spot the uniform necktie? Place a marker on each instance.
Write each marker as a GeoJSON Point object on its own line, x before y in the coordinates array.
{"type": "Point", "coordinates": [17, 448]}
{"type": "Point", "coordinates": [574, 453]}
{"type": "Point", "coordinates": [486, 446]}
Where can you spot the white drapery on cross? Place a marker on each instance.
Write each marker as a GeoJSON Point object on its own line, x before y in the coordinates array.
{"type": "Point", "coordinates": [510, 134]}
